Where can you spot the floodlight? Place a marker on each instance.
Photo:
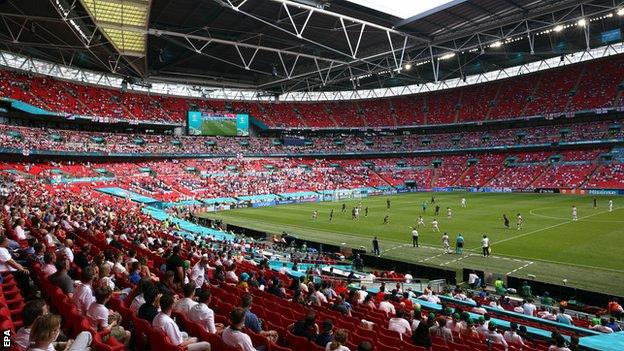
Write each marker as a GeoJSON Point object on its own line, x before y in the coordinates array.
{"type": "Point", "coordinates": [582, 22]}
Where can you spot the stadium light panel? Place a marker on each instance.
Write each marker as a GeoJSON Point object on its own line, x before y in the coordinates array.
{"type": "Point", "coordinates": [408, 66]}
{"type": "Point", "coordinates": [122, 21]}
{"type": "Point", "coordinates": [447, 56]}
{"type": "Point", "coordinates": [620, 12]}
{"type": "Point", "coordinates": [401, 8]}
{"type": "Point", "coordinates": [496, 44]}
{"type": "Point", "coordinates": [558, 28]}
{"type": "Point", "coordinates": [582, 22]}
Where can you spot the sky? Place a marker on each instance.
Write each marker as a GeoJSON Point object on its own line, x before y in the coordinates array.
{"type": "Point", "coordinates": [401, 8]}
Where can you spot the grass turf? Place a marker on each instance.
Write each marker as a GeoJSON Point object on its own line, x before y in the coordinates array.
{"type": "Point", "coordinates": [551, 246]}
{"type": "Point", "coordinates": [226, 128]}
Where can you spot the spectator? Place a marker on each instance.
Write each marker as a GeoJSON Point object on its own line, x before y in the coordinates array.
{"type": "Point", "coordinates": [203, 315]}
{"type": "Point", "coordinates": [30, 312]}
{"type": "Point", "coordinates": [101, 319]}
{"type": "Point", "coordinates": [139, 299]}
{"type": "Point", "coordinates": [422, 334]}
{"type": "Point", "coordinates": [602, 327]}
{"type": "Point", "coordinates": [387, 306]}
{"type": "Point", "coordinates": [440, 330]}
{"type": "Point", "coordinates": [61, 279]}
{"type": "Point", "coordinates": [327, 335]}
{"type": "Point", "coordinates": [83, 293]}
{"type": "Point", "coordinates": [306, 327]}
{"type": "Point", "coordinates": [493, 337]}
{"type": "Point", "coordinates": [563, 317]}
{"type": "Point", "coordinates": [135, 272]}
{"type": "Point", "coordinates": [340, 339]}
{"type": "Point", "coordinates": [560, 344]}
{"type": "Point", "coordinates": [164, 322]}
{"type": "Point", "coordinates": [233, 337]}
{"type": "Point", "coordinates": [185, 304]}
{"type": "Point", "coordinates": [528, 307]}
{"type": "Point", "coordinates": [47, 328]}
{"type": "Point", "coordinates": [365, 346]}
{"type": "Point", "coordinates": [614, 325]}
{"type": "Point", "coordinates": [176, 265]}
{"type": "Point", "coordinates": [399, 324]}
{"type": "Point", "coordinates": [151, 307]}
{"type": "Point", "coordinates": [511, 335]}
{"type": "Point", "coordinates": [198, 272]}
{"type": "Point", "coordinates": [81, 259]}
{"type": "Point", "coordinates": [253, 323]}
{"type": "Point", "coordinates": [48, 265]}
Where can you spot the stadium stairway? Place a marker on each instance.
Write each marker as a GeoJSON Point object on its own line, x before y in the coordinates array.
{"type": "Point", "coordinates": [533, 91]}
{"type": "Point", "coordinates": [579, 79]}
{"type": "Point", "coordinates": [539, 177]}
{"type": "Point", "coordinates": [461, 177]}
{"type": "Point", "coordinates": [498, 89]}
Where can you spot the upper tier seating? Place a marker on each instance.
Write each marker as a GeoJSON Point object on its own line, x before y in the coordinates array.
{"type": "Point", "coordinates": [583, 86]}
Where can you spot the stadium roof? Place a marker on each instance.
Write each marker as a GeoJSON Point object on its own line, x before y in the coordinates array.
{"type": "Point", "coordinates": [279, 46]}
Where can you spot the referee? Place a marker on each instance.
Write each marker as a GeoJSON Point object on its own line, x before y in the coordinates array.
{"type": "Point", "coordinates": [414, 237]}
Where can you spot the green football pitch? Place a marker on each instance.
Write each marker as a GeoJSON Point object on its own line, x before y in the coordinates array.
{"type": "Point", "coordinates": [226, 128]}
{"type": "Point", "coordinates": [550, 246]}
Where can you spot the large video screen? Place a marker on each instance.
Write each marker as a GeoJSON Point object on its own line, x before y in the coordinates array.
{"type": "Point", "coordinates": [213, 124]}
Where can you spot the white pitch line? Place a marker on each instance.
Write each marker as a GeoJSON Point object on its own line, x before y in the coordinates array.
{"type": "Point", "coordinates": [546, 228]}
{"type": "Point", "coordinates": [394, 248]}
{"type": "Point", "coordinates": [458, 259]}
{"type": "Point", "coordinates": [432, 257]}
{"type": "Point", "coordinates": [517, 269]}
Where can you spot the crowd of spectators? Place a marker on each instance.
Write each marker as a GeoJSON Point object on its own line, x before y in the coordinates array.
{"type": "Point", "coordinates": [141, 283]}
{"type": "Point", "coordinates": [31, 139]}
{"type": "Point", "coordinates": [584, 86]}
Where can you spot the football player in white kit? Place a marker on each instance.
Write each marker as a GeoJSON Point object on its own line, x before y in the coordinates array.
{"type": "Point", "coordinates": [574, 213]}
{"type": "Point", "coordinates": [434, 224]}
{"type": "Point", "coordinates": [463, 202]}
{"type": "Point", "coordinates": [421, 221]}
{"type": "Point", "coordinates": [610, 205]}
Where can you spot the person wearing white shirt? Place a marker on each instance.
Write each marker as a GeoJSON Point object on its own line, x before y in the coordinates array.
{"type": "Point", "coordinates": [198, 273]}
{"type": "Point", "coordinates": [66, 251]}
{"type": "Point", "coordinates": [46, 329]}
{"type": "Point", "coordinates": [7, 264]}
{"type": "Point", "coordinates": [185, 304]}
{"type": "Point", "coordinates": [386, 306]}
{"type": "Point", "coordinates": [473, 280]}
{"type": "Point", "coordinates": [478, 309]}
{"type": "Point", "coordinates": [232, 336]}
{"type": "Point", "coordinates": [164, 322]}
{"type": "Point", "coordinates": [493, 337]}
{"type": "Point", "coordinates": [485, 244]}
{"type": "Point", "coordinates": [400, 324]}
{"type": "Point", "coordinates": [511, 335]}
{"type": "Point", "coordinates": [83, 293]}
{"type": "Point", "coordinates": [97, 313]}
{"type": "Point", "coordinates": [528, 308]}
{"type": "Point", "coordinates": [20, 233]}
{"type": "Point", "coordinates": [30, 312]}
{"type": "Point", "coordinates": [602, 327]}
{"type": "Point", "coordinates": [320, 297]}
{"type": "Point", "coordinates": [560, 344]}
{"type": "Point", "coordinates": [202, 314]}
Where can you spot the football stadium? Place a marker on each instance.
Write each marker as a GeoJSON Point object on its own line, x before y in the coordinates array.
{"type": "Point", "coordinates": [307, 175]}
